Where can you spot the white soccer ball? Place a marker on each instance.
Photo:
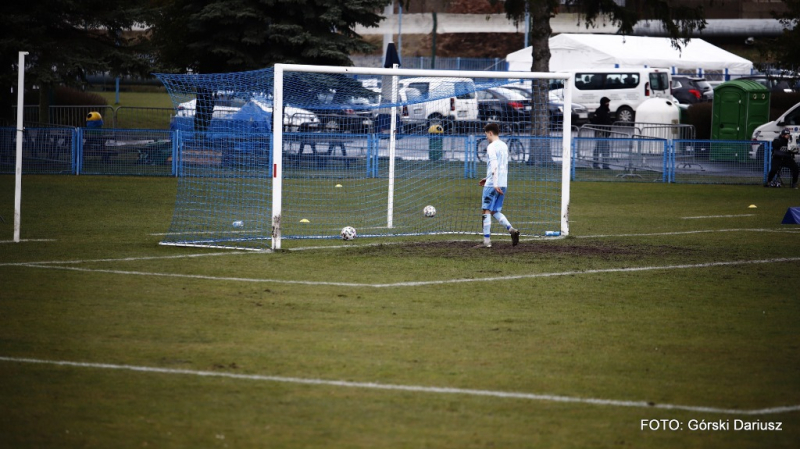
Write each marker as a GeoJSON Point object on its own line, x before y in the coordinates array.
{"type": "Point", "coordinates": [348, 233]}
{"type": "Point", "coordinates": [429, 211]}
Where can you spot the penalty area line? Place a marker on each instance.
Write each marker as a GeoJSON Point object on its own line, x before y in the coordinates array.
{"type": "Point", "coordinates": [408, 388]}
{"type": "Point", "coordinates": [423, 283]}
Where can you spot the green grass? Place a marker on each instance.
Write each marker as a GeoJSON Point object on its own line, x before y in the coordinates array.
{"type": "Point", "coordinates": [722, 336]}
{"type": "Point", "coordinates": [138, 99]}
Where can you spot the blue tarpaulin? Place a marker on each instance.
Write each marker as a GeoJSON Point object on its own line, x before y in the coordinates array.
{"type": "Point", "coordinates": [792, 216]}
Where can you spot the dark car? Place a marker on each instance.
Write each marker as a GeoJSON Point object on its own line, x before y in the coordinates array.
{"type": "Point", "coordinates": [555, 106]}
{"type": "Point", "coordinates": [775, 83]}
{"type": "Point", "coordinates": [504, 106]}
{"type": "Point", "coordinates": [348, 114]}
{"type": "Point", "coordinates": [691, 90]}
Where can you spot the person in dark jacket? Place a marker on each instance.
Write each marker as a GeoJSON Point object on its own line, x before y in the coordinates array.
{"type": "Point", "coordinates": [602, 121]}
{"type": "Point", "coordinates": [782, 157]}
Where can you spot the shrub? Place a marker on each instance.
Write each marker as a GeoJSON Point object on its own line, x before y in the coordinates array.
{"type": "Point", "coordinates": [67, 96]}
{"type": "Point", "coordinates": [699, 115]}
{"type": "Point", "coordinates": [780, 102]}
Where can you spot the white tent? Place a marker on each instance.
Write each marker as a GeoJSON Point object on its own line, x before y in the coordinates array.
{"type": "Point", "coordinates": [593, 51]}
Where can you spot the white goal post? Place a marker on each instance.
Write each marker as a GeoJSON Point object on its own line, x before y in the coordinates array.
{"type": "Point", "coordinates": [278, 121]}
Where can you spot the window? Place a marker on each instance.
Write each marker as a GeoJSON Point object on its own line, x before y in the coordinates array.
{"type": "Point", "coordinates": [464, 90]}
{"type": "Point", "coordinates": [605, 81]}
{"type": "Point", "coordinates": [422, 88]}
{"type": "Point", "coordinates": [659, 81]}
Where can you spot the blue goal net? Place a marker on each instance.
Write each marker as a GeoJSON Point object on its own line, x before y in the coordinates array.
{"type": "Point", "coordinates": [366, 148]}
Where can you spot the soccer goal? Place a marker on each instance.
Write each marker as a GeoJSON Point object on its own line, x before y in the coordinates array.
{"type": "Point", "coordinates": [301, 151]}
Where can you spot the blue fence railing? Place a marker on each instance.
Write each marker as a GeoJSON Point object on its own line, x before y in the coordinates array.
{"type": "Point", "coordinates": [147, 152]}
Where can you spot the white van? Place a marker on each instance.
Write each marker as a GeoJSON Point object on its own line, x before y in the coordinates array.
{"type": "Point", "coordinates": [626, 88]}
{"type": "Point", "coordinates": [454, 104]}
{"type": "Point", "coordinates": [770, 130]}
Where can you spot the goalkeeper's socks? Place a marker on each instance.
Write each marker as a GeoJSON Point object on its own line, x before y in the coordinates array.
{"type": "Point", "coordinates": [487, 227]}
{"type": "Point", "coordinates": [503, 220]}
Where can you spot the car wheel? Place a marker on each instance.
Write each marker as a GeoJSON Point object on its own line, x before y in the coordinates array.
{"type": "Point", "coordinates": [331, 126]}
{"type": "Point", "coordinates": [516, 150]}
{"type": "Point", "coordinates": [625, 114]}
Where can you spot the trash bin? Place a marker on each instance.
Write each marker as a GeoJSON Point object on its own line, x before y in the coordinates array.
{"type": "Point", "coordinates": [435, 142]}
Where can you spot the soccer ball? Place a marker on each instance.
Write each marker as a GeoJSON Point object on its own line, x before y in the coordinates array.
{"type": "Point", "coordinates": [348, 233]}
{"type": "Point", "coordinates": [429, 211]}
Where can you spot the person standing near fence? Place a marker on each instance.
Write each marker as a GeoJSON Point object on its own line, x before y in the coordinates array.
{"type": "Point", "coordinates": [783, 157]}
{"type": "Point", "coordinates": [602, 121]}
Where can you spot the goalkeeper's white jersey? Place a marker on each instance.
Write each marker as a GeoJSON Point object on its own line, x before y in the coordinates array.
{"type": "Point", "coordinates": [497, 159]}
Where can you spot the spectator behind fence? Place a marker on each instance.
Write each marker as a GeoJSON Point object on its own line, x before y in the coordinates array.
{"type": "Point", "coordinates": [602, 122]}
{"type": "Point", "coordinates": [782, 156]}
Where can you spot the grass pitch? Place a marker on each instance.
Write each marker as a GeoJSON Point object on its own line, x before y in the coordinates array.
{"type": "Point", "coordinates": [668, 302]}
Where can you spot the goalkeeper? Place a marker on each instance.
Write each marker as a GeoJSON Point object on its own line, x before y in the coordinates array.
{"type": "Point", "coordinates": [494, 186]}
{"type": "Point", "coordinates": [783, 157]}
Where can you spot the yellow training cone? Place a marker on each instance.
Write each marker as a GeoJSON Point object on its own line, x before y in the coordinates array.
{"type": "Point", "coordinates": [305, 220]}
{"type": "Point", "coordinates": [752, 206]}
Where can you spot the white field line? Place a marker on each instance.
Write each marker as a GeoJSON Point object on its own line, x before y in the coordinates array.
{"type": "Point", "coordinates": [651, 234]}
{"type": "Point", "coordinates": [411, 388]}
{"type": "Point", "coordinates": [422, 283]}
{"type": "Point", "coordinates": [367, 245]}
{"type": "Point", "coordinates": [131, 259]}
{"type": "Point", "coordinates": [717, 216]}
{"type": "Point", "coordinates": [28, 240]}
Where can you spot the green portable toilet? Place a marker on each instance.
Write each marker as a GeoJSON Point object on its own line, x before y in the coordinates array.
{"type": "Point", "coordinates": [740, 106]}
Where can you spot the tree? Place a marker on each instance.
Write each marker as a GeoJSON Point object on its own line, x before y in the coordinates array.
{"type": "Point", "coordinates": [236, 35]}
{"type": "Point", "coordinates": [66, 40]}
{"type": "Point", "coordinates": [680, 22]}
{"type": "Point", "coordinates": [784, 50]}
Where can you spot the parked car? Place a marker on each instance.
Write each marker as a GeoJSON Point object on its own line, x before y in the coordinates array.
{"type": "Point", "coordinates": [345, 113]}
{"type": "Point", "coordinates": [775, 83]}
{"type": "Point", "coordinates": [770, 130]}
{"type": "Point", "coordinates": [691, 90]}
{"type": "Point", "coordinates": [294, 118]}
{"type": "Point", "coordinates": [627, 88]}
{"type": "Point", "coordinates": [555, 105]}
{"type": "Point", "coordinates": [507, 106]}
{"type": "Point", "coordinates": [450, 102]}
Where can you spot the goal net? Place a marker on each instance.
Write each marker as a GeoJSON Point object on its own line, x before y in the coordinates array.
{"type": "Point", "coordinates": [300, 152]}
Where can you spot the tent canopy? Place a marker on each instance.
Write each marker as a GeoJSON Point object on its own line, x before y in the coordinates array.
{"type": "Point", "coordinates": [603, 51]}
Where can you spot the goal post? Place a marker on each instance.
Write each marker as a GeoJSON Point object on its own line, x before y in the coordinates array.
{"type": "Point", "coordinates": [281, 70]}
{"type": "Point", "coordinates": [300, 152]}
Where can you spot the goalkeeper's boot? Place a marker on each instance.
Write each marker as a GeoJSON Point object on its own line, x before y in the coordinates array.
{"type": "Point", "coordinates": [487, 243]}
{"type": "Point", "coordinates": [514, 236]}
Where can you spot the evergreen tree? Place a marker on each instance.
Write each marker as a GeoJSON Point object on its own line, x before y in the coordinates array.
{"type": "Point", "coordinates": [784, 50]}
{"type": "Point", "coordinates": [68, 39]}
{"type": "Point", "coordinates": [236, 35]}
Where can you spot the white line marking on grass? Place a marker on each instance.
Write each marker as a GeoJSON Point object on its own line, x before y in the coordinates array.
{"type": "Point", "coordinates": [28, 240]}
{"type": "Point", "coordinates": [718, 216]}
{"type": "Point", "coordinates": [129, 259]}
{"type": "Point", "coordinates": [422, 283]}
{"type": "Point", "coordinates": [412, 388]}
{"type": "Point", "coordinates": [706, 231]}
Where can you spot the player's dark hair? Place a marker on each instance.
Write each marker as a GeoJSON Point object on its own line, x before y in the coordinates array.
{"type": "Point", "coordinates": [492, 128]}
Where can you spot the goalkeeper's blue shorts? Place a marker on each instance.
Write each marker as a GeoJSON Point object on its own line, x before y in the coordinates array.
{"type": "Point", "coordinates": [492, 200]}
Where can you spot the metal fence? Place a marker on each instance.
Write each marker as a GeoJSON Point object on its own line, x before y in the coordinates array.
{"type": "Point", "coordinates": [616, 155]}
{"type": "Point", "coordinates": [89, 151]}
